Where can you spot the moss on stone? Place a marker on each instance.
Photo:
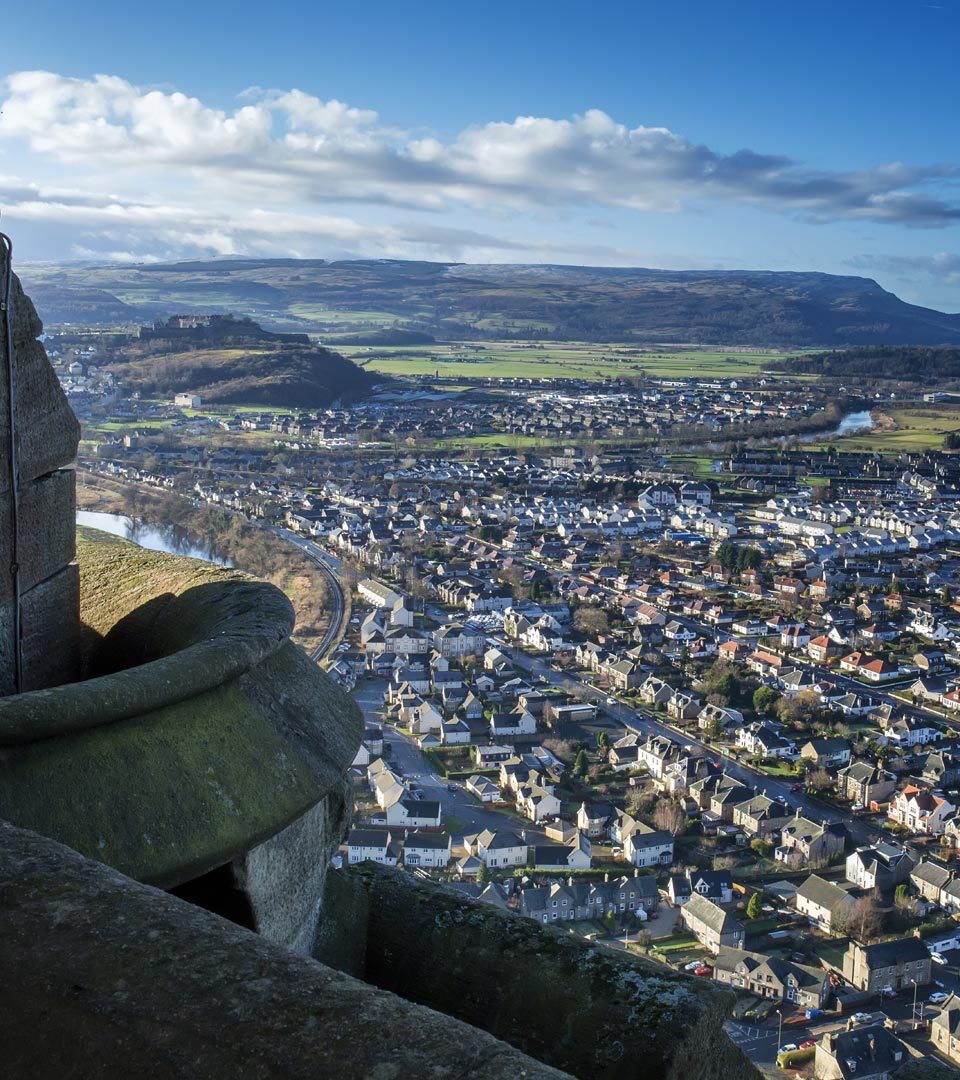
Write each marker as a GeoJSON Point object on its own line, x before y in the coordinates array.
{"type": "Point", "coordinates": [593, 1012]}
{"type": "Point", "coordinates": [224, 736]}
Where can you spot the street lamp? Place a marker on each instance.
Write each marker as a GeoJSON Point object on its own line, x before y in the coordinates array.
{"type": "Point", "coordinates": [780, 1029]}
{"type": "Point", "coordinates": [913, 1014]}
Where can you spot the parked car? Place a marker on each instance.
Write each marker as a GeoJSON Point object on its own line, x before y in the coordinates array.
{"type": "Point", "coordinates": [787, 1047]}
{"type": "Point", "coordinates": [938, 958]}
{"type": "Point", "coordinates": [452, 787]}
{"type": "Point", "coordinates": [861, 1018]}
{"type": "Point", "coordinates": [693, 965]}
{"type": "Point", "coordinates": [938, 998]}
{"type": "Point", "coordinates": [795, 789]}
{"type": "Point", "coordinates": [806, 1045]}
{"type": "Point", "coordinates": [703, 969]}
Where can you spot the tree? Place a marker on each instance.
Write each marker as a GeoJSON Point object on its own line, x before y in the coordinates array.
{"type": "Point", "coordinates": [761, 847]}
{"type": "Point", "coordinates": [799, 710]}
{"type": "Point", "coordinates": [820, 780]}
{"type": "Point", "coordinates": [764, 698]}
{"type": "Point", "coordinates": [602, 740]}
{"type": "Point", "coordinates": [483, 874]}
{"type": "Point", "coordinates": [669, 816]}
{"type": "Point", "coordinates": [753, 906]}
{"type": "Point", "coordinates": [581, 765]}
{"type": "Point", "coordinates": [610, 921]}
{"type": "Point", "coordinates": [591, 621]}
{"type": "Point", "coordinates": [864, 920]}
{"type": "Point", "coordinates": [901, 897]}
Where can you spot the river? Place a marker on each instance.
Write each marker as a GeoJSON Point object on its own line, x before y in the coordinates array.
{"type": "Point", "coordinates": [849, 425]}
{"type": "Point", "coordinates": [170, 538]}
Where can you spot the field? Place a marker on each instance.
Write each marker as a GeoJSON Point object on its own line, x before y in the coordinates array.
{"type": "Point", "coordinates": [568, 360]}
{"type": "Point", "coordinates": [904, 428]}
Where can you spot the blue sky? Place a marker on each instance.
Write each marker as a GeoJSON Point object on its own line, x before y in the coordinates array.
{"type": "Point", "coordinates": [782, 135]}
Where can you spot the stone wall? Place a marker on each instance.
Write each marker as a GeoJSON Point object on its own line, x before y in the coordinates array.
{"type": "Point", "coordinates": [47, 435]}
{"type": "Point", "coordinates": [110, 978]}
{"type": "Point", "coordinates": [586, 1009]}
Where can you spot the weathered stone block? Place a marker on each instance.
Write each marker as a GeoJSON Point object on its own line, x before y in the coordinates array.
{"type": "Point", "coordinates": [47, 530]}
{"type": "Point", "coordinates": [586, 1009]}
{"type": "Point", "coordinates": [47, 431]}
{"type": "Point", "coordinates": [51, 630]}
{"type": "Point", "coordinates": [116, 979]}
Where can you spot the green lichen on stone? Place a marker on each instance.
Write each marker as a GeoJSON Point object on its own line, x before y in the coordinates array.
{"type": "Point", "coordinates": [588, 1010]}
{"type": "Point", "coordinates": [227, 734]}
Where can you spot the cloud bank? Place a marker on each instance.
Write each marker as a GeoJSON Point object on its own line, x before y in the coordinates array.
{"type": "Point", "coordinates": [286, 171]}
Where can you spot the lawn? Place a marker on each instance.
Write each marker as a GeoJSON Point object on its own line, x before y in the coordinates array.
{"type": "Point", "coordinates": [572, 360]}
{"type": "Point", "coordinates": [913, 427]}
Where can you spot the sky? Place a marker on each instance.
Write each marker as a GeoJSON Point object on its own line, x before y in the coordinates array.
{"type": "Point", "coordinates": [774, 134]}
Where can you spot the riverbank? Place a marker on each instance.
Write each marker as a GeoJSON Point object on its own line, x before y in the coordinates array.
{"type": "Point", "coordinates": [225, 535]}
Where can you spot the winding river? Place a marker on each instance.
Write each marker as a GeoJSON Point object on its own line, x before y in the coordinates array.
{"type": "Point", "coordinates": [169, 538]}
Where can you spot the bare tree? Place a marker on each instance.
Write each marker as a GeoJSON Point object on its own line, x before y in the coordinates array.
{"type": "Point", "coordinates": [668, 815]}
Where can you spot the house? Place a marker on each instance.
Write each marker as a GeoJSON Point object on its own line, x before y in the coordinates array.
{"type": "Point", "coordinates": [537, 803]}
{"type": "Point", "coordinates": [761, 815]}
{"type": "Point", "coordinates": [945, 1030]}
{"type": "Point", "coordinates": [429, 851]}
{"type": "Point", "coordinates": [624, 758]}
{"type": "Point", "coordinates": [920, 811]}
{"type": "Point", "coordinates": [810, 842]}
{"type": "Point", "coordinates": [574, 856]}
{"type": "Point", "coordinates": [881, 866]}
{"type": "Point", "coordinates": [772, 977]}
{"type": "Point", "coordinates": [764, 740]}
{"type": "Point", "coordinates": [866, 784]}
{"type": "Point", "coordinates": [488, 756]}
{"type": "Point", "coordinates": [455, 733]}
{"type": "Point", "coordinates": [719, 718]}
{"type": "Point", "coordinates": [863, 1053]}
{"type": "Point", "coordinates": [678, 889]}
{"type": "Point", "coordinates": [826, 905]}
{"type": "Point", "coordinates": [485, 790]}
{"type": "Point", "coordinates": [641, 845]}
{"type": "Point", "coordinates": [830, 753]}
{"type": "Point", "coordinates": [594, 819]}
{"type": "Point", "coordinates": [929, 878]}
{"type": "Point", "coordinates": [498, 849]}
{"type": "Point", "coordinates": [372, 845]}
{"type": "Point", "coordinates": [377, 594]}
{"type": "Point", "coordinates": [506, 725]}
{"type": "Point", "coordinates": [715, 885]}
{"type": "Point", "coordinates": [711, 925]}
{"type": "Point", "coordinates": [898, 964]}
{"type": "Point", "coordinates": [414, 813]}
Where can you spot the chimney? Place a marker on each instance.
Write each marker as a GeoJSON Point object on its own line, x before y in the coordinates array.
{"type": "Point", "coordinates": [606, 876]}
{"type": "Point", "coordinates": [570, 880]}
{"type": "Point", "coordinates": [797, 814]}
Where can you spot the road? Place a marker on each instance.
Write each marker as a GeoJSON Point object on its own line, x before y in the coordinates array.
{"type": "Point", "coordinates": [329, 566]}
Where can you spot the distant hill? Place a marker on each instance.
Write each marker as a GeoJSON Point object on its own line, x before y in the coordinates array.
{"type": "Point", "coordinates": [900, 363]}
{"type": "Point", "coordinates": [227, 360]}
{"type": "Point", "coordinates": [455, 301]}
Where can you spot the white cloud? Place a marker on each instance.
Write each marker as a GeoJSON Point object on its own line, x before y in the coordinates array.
{"type": "Point", "coordinates": [269, 171]}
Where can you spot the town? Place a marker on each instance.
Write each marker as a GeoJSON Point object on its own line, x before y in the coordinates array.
{"type": "Point", "coordinates": [625, 672]}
